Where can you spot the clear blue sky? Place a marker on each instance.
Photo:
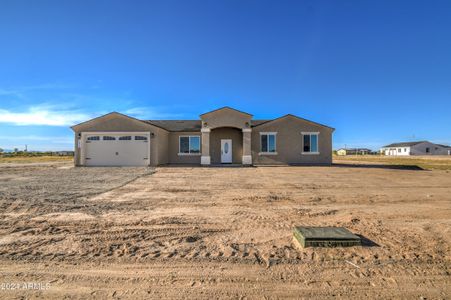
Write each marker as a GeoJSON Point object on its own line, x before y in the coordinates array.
{"type": "Point", "coordinates": [377, 71]}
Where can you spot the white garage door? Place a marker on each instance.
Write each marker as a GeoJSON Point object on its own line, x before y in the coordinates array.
{"type": "Point", "coordinates": [117, 149]}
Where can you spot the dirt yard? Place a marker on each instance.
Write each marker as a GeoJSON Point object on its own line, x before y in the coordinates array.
{"type": "Point", "coordinates": [222, 232]}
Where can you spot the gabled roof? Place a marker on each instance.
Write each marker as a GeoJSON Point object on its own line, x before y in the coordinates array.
{"type": "Point", "coordinates": [106, 115]}
{"type": "Point", "coordinates": [190, 125]}
{"type": "Point", "coordinates": [258, 122]}
{"type": "Point", "coordinates": [404, 144]}
{"type": "Point", "coordinates": [291, 115]}
{"type": "Point", "coordinates": [226, 107]}
{"type": "Point", "coordinates": [177, 125]}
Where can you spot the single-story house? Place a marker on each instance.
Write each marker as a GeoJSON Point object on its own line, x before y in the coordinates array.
{"type": "Point", "coordinates": [354, 151]}
{"type": "Point", "coordinates": [222, 136]}
{"type": "Point", "coordinates": [415, 148]}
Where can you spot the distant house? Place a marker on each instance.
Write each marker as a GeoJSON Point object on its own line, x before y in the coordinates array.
{"type": "Point", "coordinates": [353, 151]}
{"type": "Point", "coordinates": [64, 153]}
{"type": "Point", "coordinates": [415, 148]}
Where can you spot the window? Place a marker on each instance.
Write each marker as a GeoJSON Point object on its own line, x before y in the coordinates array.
{"type": "Point", "coordinates": [310, 142]}
{"type": "Point", "coordinates": [140, 138]}
{"type": "Point", "coordinates": [399, 149]}
{"type": "Point", "coordinates": [109, 138]}
{"type": "Point", "coordinates": [93, 138]}
{"type": "Point", "coordinates": [427, 150]}
{"type": "Point", "coordinates": [268, 142]}
{"type": "Point", "coordinates": [189, 144]}
{"type": "Point", "coordinates": [125, 138]}
{"type": "Point", "coordinates": [405, 149]}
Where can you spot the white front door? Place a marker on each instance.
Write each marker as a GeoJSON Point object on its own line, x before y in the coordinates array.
{"type": "Point", "coordinates": [226, 151]}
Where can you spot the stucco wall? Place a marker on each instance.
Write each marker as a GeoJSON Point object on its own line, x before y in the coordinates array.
{"type": "Point", "coordinates": [397, 151]}
{"type": "Point", "coordinates": [173, 149]}
{"type": "Point", "coordinates": [289, 142]}
{"type": "Point", "coordinates": [226, 133]}
{"type": "Point", "coordinates": [226, 118]}
{"type": "Point", "coordinates": [420, 149]}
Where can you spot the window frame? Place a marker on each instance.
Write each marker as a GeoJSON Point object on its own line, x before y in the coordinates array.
{"type": "Point", "coordinates": [305, 133]}
{"type": "Point", "coordinates": [189, 153]}
{"type": "Point", "coordinates": [109, 138]}
{"type": "Point", "coordinates": [125, 138]}
{"type": "Point", "coordinates": [140, 138]}
{"type": "Point", "coordinates": [93, 138]}
{"type": "Point", "coordinates": [267, 143]}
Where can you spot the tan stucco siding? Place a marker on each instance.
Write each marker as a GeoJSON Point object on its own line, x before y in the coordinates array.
{"type": "Point", "coordinates": [161, 142]}
{"type": "Point", "coordinates": [289, 143]}
{"type": "Point", "coordinates": [226, 133]}
{"type": "Point", "coordinates": [173, 153]}
{"type": "Point", "coordinates": [226, 118]}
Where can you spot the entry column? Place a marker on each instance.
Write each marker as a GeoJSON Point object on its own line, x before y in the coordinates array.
{"type": "Point", "coordinates": [247, 154]}
{"type": "Point", "coordinates": [205, 158]}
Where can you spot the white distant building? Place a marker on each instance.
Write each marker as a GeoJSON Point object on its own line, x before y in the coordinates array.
{"type": "Point", "coordinates": [415, 148]}
{"type": "Point", "coordinates": [353, 151]}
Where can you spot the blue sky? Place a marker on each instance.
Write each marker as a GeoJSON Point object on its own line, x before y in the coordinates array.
{"type": "Point", "coordinates": [377, 71]}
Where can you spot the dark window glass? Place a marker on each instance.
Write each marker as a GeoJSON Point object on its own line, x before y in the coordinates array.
{"type": "Point", "coordinates": [184, 144]}
{"type": "Point", "coordinates": [314, 143]}
{"type": "Point", "coordinates": [125, 138]}
{"type": "Point", "coordinates": [264, 143]}
{"type": "Point", "coordinates": [93, 138]}
{"type": "Point", "coordinates": [307, 143]}
{"type": "Point", "coordinates": [427, 150]}
{"type": "Point", "coordinates": [271, 143]}
{"type": "Point", "coordinates": [109, 138]}
{"type": "Point", "coordinates": [140, 138]}
{"type": "Point", "coordinates": [194, 144]}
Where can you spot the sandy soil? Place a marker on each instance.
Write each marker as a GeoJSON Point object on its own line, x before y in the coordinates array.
{"type": "Point", "coordinates": [223, 232]}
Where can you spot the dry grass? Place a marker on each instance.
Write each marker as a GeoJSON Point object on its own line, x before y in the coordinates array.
{"type": "Point", "coordinates": [34, 159]}
{"type": "Point", "coordinates": [424, 162]}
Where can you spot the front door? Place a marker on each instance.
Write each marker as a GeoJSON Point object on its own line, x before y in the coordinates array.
{"type": "Point", "coordinates": [226, 151]}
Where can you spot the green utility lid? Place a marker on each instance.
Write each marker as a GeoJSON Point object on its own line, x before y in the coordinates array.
{"type": "Point", "coordinates": [325, 237]}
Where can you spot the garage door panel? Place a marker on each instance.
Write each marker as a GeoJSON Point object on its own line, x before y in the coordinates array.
{"type": "Point", "coordinates": [120, 151]}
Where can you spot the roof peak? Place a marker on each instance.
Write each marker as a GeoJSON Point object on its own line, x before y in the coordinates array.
{"type": "Point", "coordinates": [226, 107]}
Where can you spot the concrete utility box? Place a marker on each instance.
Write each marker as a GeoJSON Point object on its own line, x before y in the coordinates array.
{"type": "Point", "coordinates": [325, 237]}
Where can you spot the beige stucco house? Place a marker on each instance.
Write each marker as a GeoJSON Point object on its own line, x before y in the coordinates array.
{"type": "Point", "coordinates": [222, 136]}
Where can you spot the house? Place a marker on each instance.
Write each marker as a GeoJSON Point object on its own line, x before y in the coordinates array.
{"type": "Point", "coordinates": [415, 148]}
{"type": "Point", "coordinates": [222, 136]}
{"type": "Point", "coordinates": [354, 151]}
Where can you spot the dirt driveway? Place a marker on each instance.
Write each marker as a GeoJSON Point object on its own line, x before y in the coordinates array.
{"type": "Point", "coordinates": [223, 232]}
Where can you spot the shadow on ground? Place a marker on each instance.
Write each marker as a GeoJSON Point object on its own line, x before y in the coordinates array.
{"type": "Point", "coordinates": [376, 166]}
{"type": "Point", "coordinates": [366, 242]}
